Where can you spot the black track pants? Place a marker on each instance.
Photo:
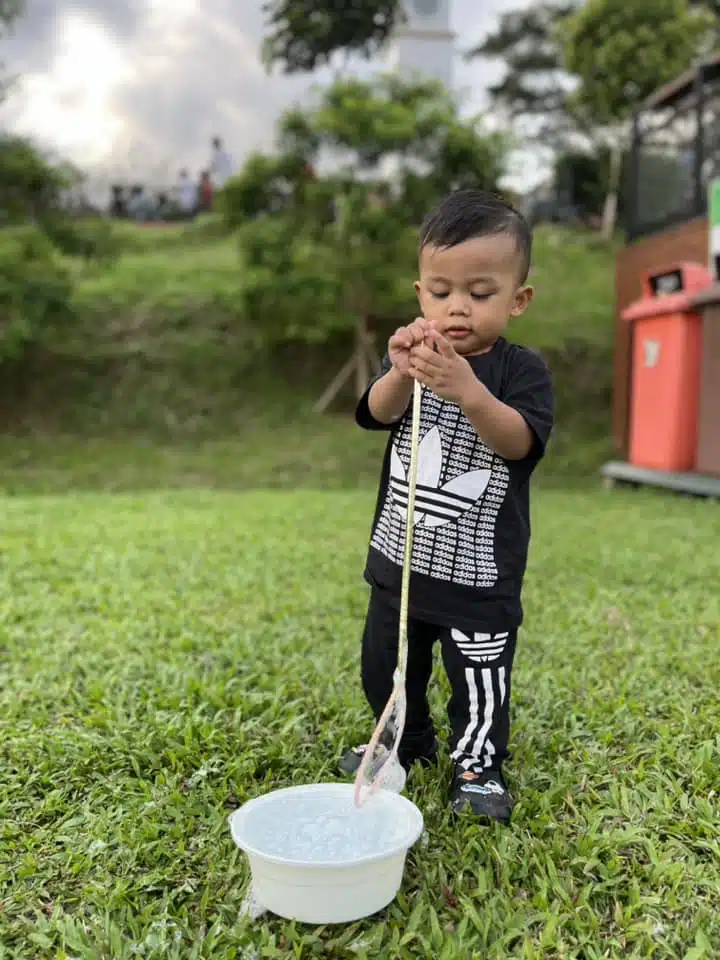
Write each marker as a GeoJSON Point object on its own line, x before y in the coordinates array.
{"type": "Point", "coordinates": [478, 666]}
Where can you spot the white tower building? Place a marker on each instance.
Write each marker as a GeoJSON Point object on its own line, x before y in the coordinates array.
{"type": "Point", "coordinates": [424, 44]}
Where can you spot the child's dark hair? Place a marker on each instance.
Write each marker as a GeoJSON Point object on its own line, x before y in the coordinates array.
{"type": "Point", "coordinates": [467, 214]}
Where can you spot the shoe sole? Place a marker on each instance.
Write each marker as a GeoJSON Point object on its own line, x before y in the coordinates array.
{"type": "Point", "coordinates": [460, 807]}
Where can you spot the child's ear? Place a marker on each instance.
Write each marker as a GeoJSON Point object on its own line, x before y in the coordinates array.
{"type": "Point", "coordinates": [523, 296]}
{"type": "Point", "coordinates": [417, 288]}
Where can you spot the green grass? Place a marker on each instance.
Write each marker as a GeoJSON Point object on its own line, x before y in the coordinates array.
{"type": "Point", "coordinates": [185, 291]}
{"type": "Point", "coordinates": [167, 656]}
{"type": "Point", "coordinates": [160, 373]}
{"type": "Point", "coordinates": [161, 275]}
{"type": "Point", "coordinates": [303, 454]}
{"type": "Point", "coordinates": [170, 272]}
{"type": "Point", "coordinates": [271, 450]}
{"type": "Point", "coordinates": [166, 236]}
{"type": "Point", "coordinates": [574, 278]}
{"type": "Point", "coordinates": [160, 379]}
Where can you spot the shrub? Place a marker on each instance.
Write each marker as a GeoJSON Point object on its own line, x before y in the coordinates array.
{"type": "Point", "coordinates": [35, 291]}
{"type": "Point", "coordinates": [328, 233]}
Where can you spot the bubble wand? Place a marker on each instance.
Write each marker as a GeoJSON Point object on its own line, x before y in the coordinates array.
{"type": "Point", "coordinates": [383, 747]}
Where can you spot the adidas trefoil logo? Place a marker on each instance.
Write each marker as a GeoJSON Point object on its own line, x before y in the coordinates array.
{"type": "Point", "coordinates": [481, 647]}
{"type": "Point", "coordinates": [435, 505]}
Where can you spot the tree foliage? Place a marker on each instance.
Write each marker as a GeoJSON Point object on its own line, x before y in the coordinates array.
{"type": "Point", "coordinates": [35, 290]}
{"type": "Point", "coordinates": [322, 249]}
{"type": "Point", "coordinates": [29, 185]}
{"type": "Point", "coordinates": [621, 51]}
{"type": "Point", "coordinates": [711, 6]}
{"type": "Point", "coordinates": [10, 10]}
{"type": "Point", "coordinates": [37, 231]}
{"type": "Point", "coordinates": [538, 77]}
{"type": "Point", "coordinates": [535, 82]}
{"type": "Point", "coordinates": [32, 189]}
{"type": "Point", "coordinates": [304, 34]}
{"type": "Point", "coordinates": [266, 185]}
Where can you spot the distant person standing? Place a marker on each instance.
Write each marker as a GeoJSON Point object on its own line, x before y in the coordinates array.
{"type": "Point", "coordinates": [206, 192]}
{"type": "Point", "coordinates": [118, 203]}
{"type": "Point", "coordinates": [187, 195]}
{"type": "Point", "coordinates": [140, 206]}
{"type": "Point", "coordinates": [221, 165]}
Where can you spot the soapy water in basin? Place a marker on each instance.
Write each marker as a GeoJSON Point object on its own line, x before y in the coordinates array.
{"type": "Point", "coordinates": [324, 828]}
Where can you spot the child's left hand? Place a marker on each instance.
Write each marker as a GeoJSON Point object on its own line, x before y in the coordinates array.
{"type": "Point", "coordinates": [444, 371]}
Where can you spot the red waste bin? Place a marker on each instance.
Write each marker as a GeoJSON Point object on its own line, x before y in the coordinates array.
{"type": "Point", "coordinates": [666, 364]}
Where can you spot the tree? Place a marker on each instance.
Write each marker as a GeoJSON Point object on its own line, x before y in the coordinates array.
{"type": "Point", "coordinates": [621, 51]}
{"type": "Point", "coordinates": [534, 91]}
{"type": "Point", "coordinates": [325, 251]}
{"type": "Point", "coordinates": [535, 83]}
{"type": "Point", "coordinates": [30, 187]}
{"type": "Point", "coordinates": [265, 186]}
{"type": "Point", "coordinates": [304, 34]}
{"type": "Point", "coordinates": [712, 6]}
{"type": "Point", "coordinates": [33, 189]}
{"type": "Point", "coordinates": [10, 10]}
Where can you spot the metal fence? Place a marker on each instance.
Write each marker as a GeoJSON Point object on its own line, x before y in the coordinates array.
{"type": "Point", "coordinates": [675, 152]}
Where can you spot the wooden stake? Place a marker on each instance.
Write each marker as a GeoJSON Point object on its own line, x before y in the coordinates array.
{"type": "Point", "coordinates": [335, 385]}
{"type": "Point", "coordinates": [364, 359]}
{"type": "Point", "coordinates": [375, 361]}
{"type": "Point", "coordinates": [362, 373]}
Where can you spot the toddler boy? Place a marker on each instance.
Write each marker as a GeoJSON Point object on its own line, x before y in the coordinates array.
{"type": "Point", "coordinates": [486, 417]}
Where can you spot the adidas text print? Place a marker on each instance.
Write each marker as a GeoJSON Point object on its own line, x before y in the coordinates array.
{"type": "Point", "coordinates": [472, 509]}
{"type": "Point", "coordinates": [461, 486]}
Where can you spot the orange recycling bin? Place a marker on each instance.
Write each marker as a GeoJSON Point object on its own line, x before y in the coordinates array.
{"type": "Point", "coordinates": [666, 367]}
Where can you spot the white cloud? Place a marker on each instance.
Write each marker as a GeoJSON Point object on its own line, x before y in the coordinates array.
{"type": "Point", "coordinates": [70, 106]}
{"type": "Point", "coordinates": [142, 85]}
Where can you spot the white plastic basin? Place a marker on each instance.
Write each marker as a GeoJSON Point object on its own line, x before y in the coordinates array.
{"type": "Point", "coordinates": [316, 858]}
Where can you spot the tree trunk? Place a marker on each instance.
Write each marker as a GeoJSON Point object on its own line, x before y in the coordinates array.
{"type": "Point", "coordinates": [611, 200]}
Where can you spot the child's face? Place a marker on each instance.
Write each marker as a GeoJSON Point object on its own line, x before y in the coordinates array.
{"type": "Point", "coordinates": [469, 291]}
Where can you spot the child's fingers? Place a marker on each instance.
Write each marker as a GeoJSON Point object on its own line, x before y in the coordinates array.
{"type": "Point", "coordinates": [418, 330]}
{"type": "Point", "coordinates": [426, 352]}
{"type": "Point", "coordinates": [440, 343]}
{"type": "Point", "coordinates": [407, 337]}
{"type": "Point", "coordinates": [402, 339]}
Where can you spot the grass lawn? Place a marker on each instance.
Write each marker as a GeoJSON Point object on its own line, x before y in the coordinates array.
{"type": "Point", "coordinates": [166, 656]}
{"type": "Point", "coordinates": [171, 285]}
{"type": "Point", "coordinates": [276, 449]}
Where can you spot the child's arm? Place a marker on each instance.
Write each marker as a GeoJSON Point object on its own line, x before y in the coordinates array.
{"type": "Point", "coordinates": [500, 426]}
{"type": "Point", "coordinates": [389, 396]}
{"type": "Point", "coordinates": [514, 429]}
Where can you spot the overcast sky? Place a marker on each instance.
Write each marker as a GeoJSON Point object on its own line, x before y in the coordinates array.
{"type": "Point", "coordinates": [117, 85]}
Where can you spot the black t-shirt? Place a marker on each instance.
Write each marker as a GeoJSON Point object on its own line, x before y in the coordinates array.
{"type": "Point", "coordinates": [472, 507]}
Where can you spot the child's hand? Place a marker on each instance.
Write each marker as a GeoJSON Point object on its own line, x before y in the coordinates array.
{"type": "Point", "coordinates": [402, 342]}
{"type": "Point", "coordinates": [435, 364]}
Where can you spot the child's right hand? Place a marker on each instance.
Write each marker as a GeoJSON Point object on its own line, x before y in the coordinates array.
{"type": "Point", "coordinates": [403, 340]}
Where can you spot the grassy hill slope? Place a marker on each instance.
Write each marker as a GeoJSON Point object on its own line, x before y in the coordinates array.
{"type": "Point", "coordinates": [159, 375]}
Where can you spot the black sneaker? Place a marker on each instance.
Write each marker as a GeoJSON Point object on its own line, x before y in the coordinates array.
{"type": "Point", "coordinates": [484, 792]}
{"type": "Point", "coordinates": [350, 761]}
{"type": "Point", "coordinates": [352, 758]}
